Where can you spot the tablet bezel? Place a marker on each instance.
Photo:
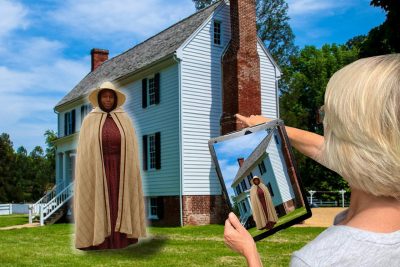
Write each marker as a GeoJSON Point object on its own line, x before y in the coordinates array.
{"type": "Point", "coordinates": [260, 127]}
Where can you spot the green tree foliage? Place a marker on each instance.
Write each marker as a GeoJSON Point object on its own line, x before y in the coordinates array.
{"type": "Point", "coordinates": [25, 177]}
{"type": "Point", "coordinates": [272, 27]}
{"type": "Point", "coordinates": [385, 38]}
{"type": "Point", "coordinates": [7, 159]}
{"type": "Point", "coordinates": [309, 73]}
{"type": "Point", "coordinates": [200, 4]}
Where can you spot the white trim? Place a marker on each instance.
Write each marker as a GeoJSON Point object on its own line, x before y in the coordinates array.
{"type": "Point", "coordinates": [277, 74]}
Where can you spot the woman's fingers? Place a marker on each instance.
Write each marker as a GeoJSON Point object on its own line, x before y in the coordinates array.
{"type": "Point", "coordinates": [235, 221]}
{"type": "Point", "coordinates": [242, 118]}
{"type": "Point", "coordinates": [252, 120]}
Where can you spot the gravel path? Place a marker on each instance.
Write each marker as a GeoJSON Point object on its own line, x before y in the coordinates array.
{"type": "Point", "coordinates": [321, 217]}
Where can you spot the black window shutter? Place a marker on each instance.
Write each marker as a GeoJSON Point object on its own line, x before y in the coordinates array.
{"type": "Point", "coordinates": [65, 124]}
{"type": "Point", "coordinates": [158, 150]}
{"type": "Point", "coordinates": [144, 152]}
{"type": "Point", "coordinates": [144, 93]}
{"type": "Point", "coordinates": [271, 192]}
{"type": "Point", "coordinates": [157, 87]}
{"type": "Point", "coordinates": [82, 112]}
{"type": "Point", "coordinates": [160, 208]}
{"type": "Point", "coordinates": [73, 121]}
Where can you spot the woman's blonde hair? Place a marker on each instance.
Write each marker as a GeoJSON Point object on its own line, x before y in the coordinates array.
{"type": "Point", "coordinates": [362, 124]}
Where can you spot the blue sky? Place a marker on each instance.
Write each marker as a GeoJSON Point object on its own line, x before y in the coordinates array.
{"type": "Point", "coordinates": [229, 151]}
{"type": "Point", "coordinates": [45, 45]}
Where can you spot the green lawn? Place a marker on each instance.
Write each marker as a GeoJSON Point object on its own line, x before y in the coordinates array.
{"type": "Point", "coordinates": [14, 219]}
{"type": "Point", "coordinates": [188, 246]}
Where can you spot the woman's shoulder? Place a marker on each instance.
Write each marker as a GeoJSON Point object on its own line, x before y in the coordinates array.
{"type": "Point", "coordinates": [348, 246]}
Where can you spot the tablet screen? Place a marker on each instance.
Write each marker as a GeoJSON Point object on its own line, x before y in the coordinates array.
{"type": "Point", "coordinates": [259, 178]}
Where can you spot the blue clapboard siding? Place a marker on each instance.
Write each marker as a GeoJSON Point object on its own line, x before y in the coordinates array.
{"type": "Point", "coordinates": [201, 84]}
{"type": "Point", "coordinates": [201, 104]}
{"type": "Point", "coordinates": [280, 171]}
{"type": "Point", "coordinates": [269, 105]}
{"type": "Point", "coordinates": [158, 118]}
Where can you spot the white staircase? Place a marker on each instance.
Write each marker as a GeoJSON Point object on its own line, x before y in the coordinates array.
{"type": "Point", "coordinates": [51, 206]}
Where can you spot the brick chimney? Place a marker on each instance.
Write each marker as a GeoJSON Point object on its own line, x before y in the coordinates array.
{"type": "Point", "coordinates": [241, 67]}
{"type": "Point", "coordinates": [98, 57]}
{"type": "Point", "coordinates": [240, 161]}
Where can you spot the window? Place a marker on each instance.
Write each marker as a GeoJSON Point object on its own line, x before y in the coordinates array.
{"type": "Point", "coordinates": [153, 208]}
{"type": "Point", "coordinates": [270, 189]}
{"type": "Point", "coordinates": [238, 191]}
{"type": "Point", "coordinates": [244, 207]}
{"type": "Point", "coordinates": [262, 168]}
{"type": "Point", "coordinates": [85, 109]}
{"type": "Point", "coordinates": [276, 139]}
{"type": "Point", "coordinates": [249, 177]}
{"type": "Point", "coordinates": [151, 91]}
{"type": "Point", "coordinates": [69, 122]}
{"type": "Point", "coordinates": [152, 151]}
{"type": "Point", "coordinates": [243, 183]}
{"type": "Point", "coordinates": [217, 32]}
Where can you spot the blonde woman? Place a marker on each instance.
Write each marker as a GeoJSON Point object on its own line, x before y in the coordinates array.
{"type": "Point", "coordinates": [361, 142]}
{"type": "Point", "coordinates": [108, 198]}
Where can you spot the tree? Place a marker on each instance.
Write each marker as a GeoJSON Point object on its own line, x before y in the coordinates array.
{"type": "Point", "coordinates": [272, 27]}
{"type": "Point", "coordinates": [274, 30]}
{"type": "Point", "coordinates": [200, 4]}
{"type": "Point", "coordinates": [51, 136]}
{"type": "Point", "coordinates": [309, 73]}
{"type": "Point", "coordinates": [7, 159]}
{"type": "Point", "coordinates": [385, 38]}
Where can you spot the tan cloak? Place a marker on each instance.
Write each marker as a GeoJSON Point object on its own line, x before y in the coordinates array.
{"type": "Point", "coordinates": [259, 215]}
{"type": "Point", "coordinates": [91, 200]}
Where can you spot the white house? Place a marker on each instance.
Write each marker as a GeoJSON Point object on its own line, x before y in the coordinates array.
{"type": "Point", "coordinates": [174, 85]}
{"type": "Point", "coordinates": [266, 161]}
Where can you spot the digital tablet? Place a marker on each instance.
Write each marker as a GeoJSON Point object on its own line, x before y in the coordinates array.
{"type": "Point", "coordinates": [259, 178]}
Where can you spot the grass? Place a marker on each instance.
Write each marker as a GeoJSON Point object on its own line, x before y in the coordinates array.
{"type": "Point", "coordinates": [284, 219]}
{"type": "Point", "coordinates": [187, 246]}
{"type": "Point", "coordinates": [14, 219]}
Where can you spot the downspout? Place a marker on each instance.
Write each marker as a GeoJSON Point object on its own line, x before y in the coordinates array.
{"type": "Point", "coordinates": [175, 57]}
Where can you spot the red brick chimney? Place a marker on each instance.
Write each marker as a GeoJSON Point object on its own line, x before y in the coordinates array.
{"type": "Point", "coordinates": [241, 67]}
{"type": "Point", "coordinates": [240, 161]}
{"type": "Point", "coordinates": [98, 57]}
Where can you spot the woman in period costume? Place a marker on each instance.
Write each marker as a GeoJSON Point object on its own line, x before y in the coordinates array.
{"type": "Point", "coordinates": [108, 197]}
{"type": "Point", "coordinates": [264, 213]}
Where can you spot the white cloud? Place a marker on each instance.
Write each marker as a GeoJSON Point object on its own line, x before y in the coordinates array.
{"type": "Point", "coordinates": [102, 18]}
{"type": "Point", "coordinates": [13, 16]}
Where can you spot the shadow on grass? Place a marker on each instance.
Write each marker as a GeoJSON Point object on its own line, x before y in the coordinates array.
{"type": "Point", "coordinates": [144, 249]}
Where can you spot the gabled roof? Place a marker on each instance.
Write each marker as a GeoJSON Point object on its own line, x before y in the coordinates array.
{"type": "Point", "coordinates": [153, 49]}
{"type": "Point", "coordinates": [257, 153]}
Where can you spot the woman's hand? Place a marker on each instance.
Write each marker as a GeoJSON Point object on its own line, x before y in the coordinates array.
{"type": "Point", "coordinates": [240, 240]}
{"type": "Point", "coordinates": [253, 119]}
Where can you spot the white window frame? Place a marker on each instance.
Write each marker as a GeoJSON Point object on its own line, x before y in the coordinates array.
{"type": "Point", "coordinates": [151, 91]}
{"type": "Point", "coordinates": [151, 151]}
{"type": "Point", "coordinates": [217, 35]}
{"type": "Point", "coordinates": [152, 203]}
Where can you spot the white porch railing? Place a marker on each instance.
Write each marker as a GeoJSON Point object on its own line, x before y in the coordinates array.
{"type": "Point", "coordinates": [50, 203]}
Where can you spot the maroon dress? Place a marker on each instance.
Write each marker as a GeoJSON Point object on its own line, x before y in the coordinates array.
{"type": "Point", "coordinates": [111, 142]}
{"type": "Point", "coordinates": [261, 197]}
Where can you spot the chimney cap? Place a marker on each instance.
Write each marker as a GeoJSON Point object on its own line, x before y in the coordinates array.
{"type": "Point", "coordinates": [99, 51]}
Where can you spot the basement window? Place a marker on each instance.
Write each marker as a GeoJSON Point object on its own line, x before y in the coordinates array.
{"type": "Point", "coordinates": [217, 32]}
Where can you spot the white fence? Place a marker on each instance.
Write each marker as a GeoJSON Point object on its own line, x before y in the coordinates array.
{"type": "Point", "coordinates": [5, 209]}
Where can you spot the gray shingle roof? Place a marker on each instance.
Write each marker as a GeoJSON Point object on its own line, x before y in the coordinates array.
{"type": "Point", "coordinates": [155, 48]}
{"type": "Point", "coordinates": [248, 164]}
